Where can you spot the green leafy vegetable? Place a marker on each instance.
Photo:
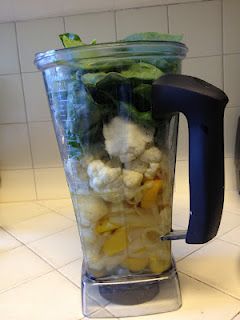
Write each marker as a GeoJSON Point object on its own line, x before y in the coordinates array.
{"type": "Point", "coordinates": [142, 118]}
{"type": "Point", "coordinates": [91, 79]}
{"type": "Point", "coordinates": [99, 89]}
{"type": "Point", "coordinates": [111, 80]}
{"type": "Point", "coordinates": [83, 116]}
{"type": "Point", "coordinates": [106, 65]}
{"type": "Point", "coordinates": [106, 88]}
{"type": "Point", "coordinates": [70, 40]}
{"type": "Point", "coordinates": [153, 36]}
{"type": "Point", "coordinates": [142, 97]}
{"type": "Point", "coordinates": [142, 71]}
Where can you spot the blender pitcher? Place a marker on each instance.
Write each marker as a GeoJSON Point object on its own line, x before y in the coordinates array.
{"type": "Point", "coordinates": [115, 109]}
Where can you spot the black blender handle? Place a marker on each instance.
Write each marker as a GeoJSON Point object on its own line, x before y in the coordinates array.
{"type": "Point", "coordinates": [203, 105]}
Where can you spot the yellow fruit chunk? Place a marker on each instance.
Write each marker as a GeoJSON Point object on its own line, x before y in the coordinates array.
{"type": "Point", "coordinates": [116, 242]}
{"type": "Point", "coordinates": [150, 195]}
{"type": "Point", "coordinates": [104, 225]}
{"type": "Point", "coordinates": [135, 264]}
{"type": "Point", "coordinates": [158, 265]}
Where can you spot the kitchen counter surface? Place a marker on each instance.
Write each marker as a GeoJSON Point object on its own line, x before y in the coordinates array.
{"type": "Point", "coordinates": [40, 264]}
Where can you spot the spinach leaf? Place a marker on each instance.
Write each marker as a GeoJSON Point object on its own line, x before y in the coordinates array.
{"type": "Point", "coordinates": [142, 71]}
{"type": "Point", "coordinates": [112, 80]}
{"type": "Point", "coordinates": [166, 65]}
{"type": "Point", "coordinates": [130, 112]}
{"type": "Point", "coordinates": [105, 65]}
{"type": "Point", "coordinates": [142, 97]}
{"type": "Point", "coordinates": [114, 85]}
{"type": "Point", "coordinates": [83, 115]}
{"type": "Point", "coordinates": [91, 79]}
{"type": "Point", "coordinates": [153, 36]}
{"type": "Point", "coordinates": [70, 40]}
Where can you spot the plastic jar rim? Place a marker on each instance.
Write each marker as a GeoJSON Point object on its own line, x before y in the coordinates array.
{"type": "Point", "coordinates": [44, 60]}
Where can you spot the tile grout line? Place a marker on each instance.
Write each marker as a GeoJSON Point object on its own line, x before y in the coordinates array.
{"type": "Point", "coordinates": [213, 240]}
{"type": "Point", "coordinates": [208, 284]}
{"type": "Point", "coordinates": [29, 168]}
{"type": "Point", "coordinates": [41, 238]}
{"type": "Point", "coordinates": [53, 268]}
{"type": "Point", "coordinates": [60, 214]}
{"type": "Point", "coordinates": [230, 230]}
{"type": "Point", "coordinates": [25, 107]}
{"type": "Point", "coordinates": [61, 167]}
{"type": "Point", "coordinates": [181, 259]}
{"type": "Point", "coordinates": [16, 285]}
{"type": "Point", "coordinates": [102, 11]}
{"type": "Point", "coordinates": [25, 122]}
{"type": "Point", "coordinates": [168, 23]}
{"type": "Point", "coordinates": [32, 201]}
{"type": "Point", "coordinates": [64, 24]}
{"type": "Point", "coordinates": [234, 317]}
{"type": "Point", "coordinates": [50, 121]}
{"type": "Point", "coordinates": [115, 24]}
{"type": "Point", "coordinates": [234, 244]}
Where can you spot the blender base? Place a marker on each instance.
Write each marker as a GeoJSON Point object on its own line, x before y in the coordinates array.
{"type": "Point", "coordinates": [131, 297]}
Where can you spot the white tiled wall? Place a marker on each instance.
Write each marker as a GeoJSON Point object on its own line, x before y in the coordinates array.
{"type": "Point", "coordinates": [29, 160]}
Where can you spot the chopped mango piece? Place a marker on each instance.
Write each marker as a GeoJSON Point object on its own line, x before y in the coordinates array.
{"type": "Point", "coordinates": [116, 242]}
{"type": "Point", "coordinates": [104, 225]}
{"type": "Point", "coordinates": [135, 264]}
{"type": "Point", "coordinates": [150, 195]}
{"type": "Point", "coordinates": [158, 265]}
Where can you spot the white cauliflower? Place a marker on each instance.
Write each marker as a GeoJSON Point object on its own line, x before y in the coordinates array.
{"type": "Point", "coordinates": [91, 209]}
{"type": "Point", "coordinates": [132, 179]}
{"type": "Point", "coordinates": [102, 176]}
{"type": "Point", "coordinates": [152, 154]}
{"type": "Point", "coordinates": [136, 165]}
{"type": "Point", "coordinates": [126, 139]}
{"type": "Point", "coordinates": [151, 172]}
{"type": "Point", "coordinates": [106, 181]}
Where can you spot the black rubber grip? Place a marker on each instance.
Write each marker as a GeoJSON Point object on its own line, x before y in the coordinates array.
{"type": "Point", "coordinates": [203, 105]}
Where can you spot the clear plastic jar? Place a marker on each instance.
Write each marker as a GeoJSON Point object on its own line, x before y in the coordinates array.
{"type": "Point", "coordinates": [119, 161]}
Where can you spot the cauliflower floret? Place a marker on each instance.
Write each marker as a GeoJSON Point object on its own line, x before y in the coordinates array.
{"type": "Point", "coordinates": [102, 176]}
{"type": "Point", "coordinates": [137, 165]}
{"type": "Point", "coordinates": [152, 154]}
{"type": "Point", "coordinates": [126, 139]}
{"type": "Point", "coordinates": [91, 209]}
{"type": "Point", "coordinates": [152, 170]}
{"type": "Point", "coordinates": [107, 181]}
{"type": "Point", "coordinates": [132, 179]}
{"type": "Point", "coordinates": [94, 167]}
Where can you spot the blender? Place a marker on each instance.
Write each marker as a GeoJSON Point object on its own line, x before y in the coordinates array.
{"type": "Point", "coordinates": [115, 109]}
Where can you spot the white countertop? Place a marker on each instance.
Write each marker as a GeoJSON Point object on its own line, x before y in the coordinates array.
{"type": "Point", "coordinates": [40, 264]}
